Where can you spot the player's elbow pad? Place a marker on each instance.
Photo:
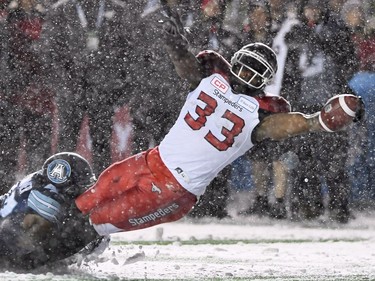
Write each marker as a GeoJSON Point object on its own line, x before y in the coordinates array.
{"type": "Point", "coordinates": [45, 206]}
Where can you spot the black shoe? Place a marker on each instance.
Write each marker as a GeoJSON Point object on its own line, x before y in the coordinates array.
{"type": "Point", "coordinates": [340, 215]}
{"type": "Point", "coordinates": [261, 207]}
{"type": "Point", "coordinates": [339, 211]}
{"type": "Point", "coordinates": [201, 211]}
{"type": "Point", "coordinates": [278, 210]}
{"type": "Point", "coordinates": [311, 210]}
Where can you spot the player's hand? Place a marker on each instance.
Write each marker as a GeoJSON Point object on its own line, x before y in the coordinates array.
{"type": "Point", "coordinates": [174, 31]}
{"type": "Point", "coordinates": [170, 27]}
{"type": "Point", "coordinates": [172, 24]}
{"type": "Point", "coordinates": [173, 27]}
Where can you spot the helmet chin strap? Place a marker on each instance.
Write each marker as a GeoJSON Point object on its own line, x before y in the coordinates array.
{"type": "Point", "coordinates": [241, 88]}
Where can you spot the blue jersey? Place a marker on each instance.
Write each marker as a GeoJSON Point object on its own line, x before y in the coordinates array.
{"type": "Point", "coordinates": [68, 233]}
{"type": "Point", "coordinates": [33, 195]}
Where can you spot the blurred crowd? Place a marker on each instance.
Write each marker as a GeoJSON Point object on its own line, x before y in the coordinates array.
{"type": "Point", "coordinates": [62, 61]}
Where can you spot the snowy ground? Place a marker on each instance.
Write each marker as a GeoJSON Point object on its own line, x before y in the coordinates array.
{"type": "Point", "coordinates": [231, 249]}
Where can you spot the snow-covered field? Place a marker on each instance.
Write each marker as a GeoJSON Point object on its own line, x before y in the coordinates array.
{"type": "Point", "coordinates": [231, 249]}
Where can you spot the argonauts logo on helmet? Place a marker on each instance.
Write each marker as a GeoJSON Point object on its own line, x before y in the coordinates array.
{"type": "Point", "coordinates": [59, 171]}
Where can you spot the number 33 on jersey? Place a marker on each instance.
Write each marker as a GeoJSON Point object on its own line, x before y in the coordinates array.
{"type": "Point", "coordinates": [214, 126]}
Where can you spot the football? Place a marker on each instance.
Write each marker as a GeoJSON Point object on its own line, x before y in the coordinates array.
{"type": "Point", "coordinates": [338, 112]}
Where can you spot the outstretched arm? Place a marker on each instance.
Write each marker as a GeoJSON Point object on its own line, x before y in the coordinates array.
{"type": "Point", "coordinates": [339, 112]}
{"type": "Point", "coordinates": [284, 125]}
{"type": "Point", "coordinates": [186, 64]}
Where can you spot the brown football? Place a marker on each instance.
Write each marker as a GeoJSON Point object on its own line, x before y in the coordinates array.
{"type": "Point", "coordinates": [338, 112]}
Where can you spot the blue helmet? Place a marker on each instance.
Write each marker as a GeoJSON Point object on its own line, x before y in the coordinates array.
{"type": "Point", "coordinates": [70, 171]}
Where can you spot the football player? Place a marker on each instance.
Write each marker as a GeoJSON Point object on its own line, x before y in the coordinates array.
{"type": "Point", "coordinates": [221, 119]}
{"type": "Point", "coordinates": [36, 225]}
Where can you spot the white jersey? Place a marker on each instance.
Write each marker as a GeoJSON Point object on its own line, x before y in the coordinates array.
{"type": "Point", "coordinates": [213, 129]}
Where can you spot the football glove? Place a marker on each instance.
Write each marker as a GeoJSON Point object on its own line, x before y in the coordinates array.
{"type": "Point", "coordinates": [172, 24]}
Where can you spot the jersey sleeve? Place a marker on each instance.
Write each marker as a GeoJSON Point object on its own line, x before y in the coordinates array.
{"type": "Point", "coordinates": [47, 203]}
{"type": "Point", "coordinates": [273, 104]}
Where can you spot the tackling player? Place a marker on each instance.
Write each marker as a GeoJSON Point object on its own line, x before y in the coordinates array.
{"type": "Point", "coordinates": [222, 118]}
{"type": "Point", "coordinates": [37, 221]}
